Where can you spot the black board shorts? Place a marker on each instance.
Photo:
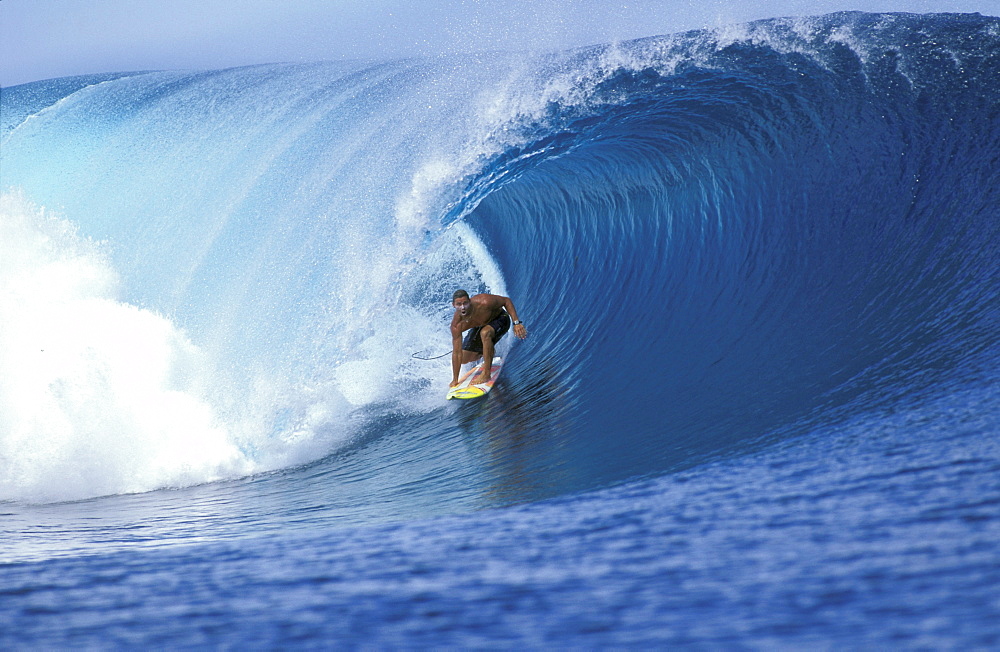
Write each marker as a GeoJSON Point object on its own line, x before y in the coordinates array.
{"type": "Point", "coordinates": [500, 326]}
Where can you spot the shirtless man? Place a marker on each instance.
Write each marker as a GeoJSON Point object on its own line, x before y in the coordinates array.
{"type": "Point", "coordinates": [488, 315]}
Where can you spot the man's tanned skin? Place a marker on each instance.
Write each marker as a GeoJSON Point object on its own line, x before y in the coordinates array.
{"type": "Point", "coordinates": [473, 312]}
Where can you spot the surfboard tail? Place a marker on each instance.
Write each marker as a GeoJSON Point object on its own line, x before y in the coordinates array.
{"type": "Point", "coordinates": [465, 391]}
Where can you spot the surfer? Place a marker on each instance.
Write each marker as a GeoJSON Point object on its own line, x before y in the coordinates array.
{"type": "Point", "coordinates": [489, 316]}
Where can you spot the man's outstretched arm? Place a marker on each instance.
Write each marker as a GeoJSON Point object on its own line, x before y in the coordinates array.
{"type": "Point", "coordinates": [519, 329]}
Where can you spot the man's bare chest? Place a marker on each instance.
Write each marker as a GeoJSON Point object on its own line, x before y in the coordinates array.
{"type": "Point", "coordinates": [479, 317]}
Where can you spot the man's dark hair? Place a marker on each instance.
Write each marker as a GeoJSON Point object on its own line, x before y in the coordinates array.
{"type": "Point", "coordinates": [459, 294]}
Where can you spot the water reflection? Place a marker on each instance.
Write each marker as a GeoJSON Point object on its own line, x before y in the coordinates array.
{"type": "Point", "coordinates": [521, 430]}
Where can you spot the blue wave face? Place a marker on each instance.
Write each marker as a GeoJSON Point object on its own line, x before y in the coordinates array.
{"type": "Point", "coordinates": [718, 240]}
{"type": "Point", "coordinates": [793, 228]}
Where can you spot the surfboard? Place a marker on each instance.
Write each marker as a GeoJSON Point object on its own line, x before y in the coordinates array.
{"type": "Point", "coordinates": [464, 390]}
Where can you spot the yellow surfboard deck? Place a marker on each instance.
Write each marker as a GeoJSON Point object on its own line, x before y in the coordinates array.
{"type": "Point", "coordinates": [464, 390]}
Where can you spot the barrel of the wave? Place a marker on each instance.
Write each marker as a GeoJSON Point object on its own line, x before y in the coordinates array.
{"type": "Point", "coordinates": [466, 391]}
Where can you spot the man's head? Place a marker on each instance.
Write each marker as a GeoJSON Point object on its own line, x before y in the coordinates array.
{"type": "Point", "coordinates": [460, 300]}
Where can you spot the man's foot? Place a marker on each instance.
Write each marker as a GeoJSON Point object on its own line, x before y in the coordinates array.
{"type": "Point", "coordinates": [481, 377]}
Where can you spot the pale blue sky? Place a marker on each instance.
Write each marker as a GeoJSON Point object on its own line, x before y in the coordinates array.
{"type": "Point", "coordinates": [41, 39]}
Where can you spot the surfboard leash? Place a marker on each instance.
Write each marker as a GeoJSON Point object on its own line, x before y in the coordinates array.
{"type": "Point", "coordinates": [418, 357]}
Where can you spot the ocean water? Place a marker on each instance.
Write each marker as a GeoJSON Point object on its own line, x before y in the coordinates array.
{"type": "Point", "coordinates": [757, 407]}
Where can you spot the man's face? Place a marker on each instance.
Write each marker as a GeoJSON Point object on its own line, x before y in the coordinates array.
{"type": "Point", "coordinates": [462, 305]}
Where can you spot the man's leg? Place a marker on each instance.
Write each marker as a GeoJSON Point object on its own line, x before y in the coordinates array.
{"type": "Point", "coordinates": [486, 335]}
{"type": "Point", "coordinates": [470, 356]}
